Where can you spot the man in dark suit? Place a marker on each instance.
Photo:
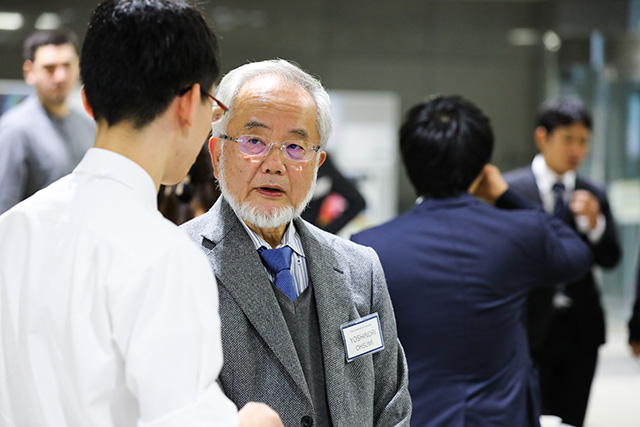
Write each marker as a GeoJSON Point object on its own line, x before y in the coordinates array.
{"type": "Point", "coordinates": [307, 327]}
{"type": "Point", "coordinates": [459, 271]}
{"type": "Point", "coordinates": [566, 324]}
{"type": "Point", "coordinates": [634, 321]}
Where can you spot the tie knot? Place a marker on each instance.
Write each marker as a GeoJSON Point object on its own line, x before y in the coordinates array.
{"type": "Point", "coordinates": [276, 260]}
{"type": "Point", "coordinates": [558, 188]}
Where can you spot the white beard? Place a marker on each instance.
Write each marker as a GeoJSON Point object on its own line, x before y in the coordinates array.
{"type": "Point", "coordinates": [266, 217]}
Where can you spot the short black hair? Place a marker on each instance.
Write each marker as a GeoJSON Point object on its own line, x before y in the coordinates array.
{"type": "Point", "coordinates": [562, 112]}
{"type": "Point", "coordinates": [138, 55]}
{"type": "Point", "coordinates": [55, 37]}
{"type": "Point", "coordinates": [445, 142]}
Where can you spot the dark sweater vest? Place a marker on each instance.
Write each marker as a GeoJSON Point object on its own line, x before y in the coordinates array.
{"type": "Point", "coordinates": [301, 316]}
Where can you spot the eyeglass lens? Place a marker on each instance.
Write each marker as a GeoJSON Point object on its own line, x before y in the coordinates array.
{"type": "Point", "coordinates": [257, 146]}
{"type": "Point", "coordinates": [217, 114]}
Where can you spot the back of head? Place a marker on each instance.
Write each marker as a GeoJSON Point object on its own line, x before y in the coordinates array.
{"type": "Point", "coordinates": [562, 112]}
{"type": "Point", "coordinates": [445, 142]}
{"type": "Point", "coordinates": [229, 87]}
{"type": "Point", "coordinates": [139, 54]}
{"type": "Point", "coordinates": [55, 37]}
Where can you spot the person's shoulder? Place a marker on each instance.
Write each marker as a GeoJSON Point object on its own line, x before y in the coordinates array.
{"type": "Point", "coordinates": [113, 213]}
{"type": "Point", "coordinates": [168, 229]}
{"type": "Point", "coordinates": [386, 231]}
{"type": "Point", "coordinates": [196, 227]}
{"type": "Point", "coordinates": [150, 238]}
{"type": "Point", "coordinates": [587, 184]}
{"type": "Point", "coordinates": [20, 116]}
{"type": "Point", "coordinates": [80, 117]}
{"type": "Point", "coordinates": [517, 175]}
{"type": "Point", "coordinates": [339, 245]}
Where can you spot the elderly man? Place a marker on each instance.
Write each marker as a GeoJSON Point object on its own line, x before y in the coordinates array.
{"type": "Point", "coordinates": [307, 327]}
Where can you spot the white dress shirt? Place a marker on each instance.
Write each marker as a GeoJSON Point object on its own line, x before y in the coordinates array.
{"type": "Point", "coordinates": [292, 239]}
{"type": "Point", "coordinates": [108, 313]}
{"type": "Point", "coordinates": [545, 178]}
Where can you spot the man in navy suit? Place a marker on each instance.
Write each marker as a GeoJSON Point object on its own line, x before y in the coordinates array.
{"type": "Point", "coordinates": [634, 321]}
{"type": "Point", "coordinates": [459, 271]}
{"type": "Point", "coordinates": [566, 324]}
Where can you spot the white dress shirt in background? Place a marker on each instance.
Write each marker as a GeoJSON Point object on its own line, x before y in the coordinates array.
{"type": "Point", "coordinates": [108, 313]}
{"type": "Point", "coordinates": [545, 178]}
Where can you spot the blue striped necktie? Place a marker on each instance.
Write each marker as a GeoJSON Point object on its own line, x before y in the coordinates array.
{"type": "Point", "coordinates": [278, 262]}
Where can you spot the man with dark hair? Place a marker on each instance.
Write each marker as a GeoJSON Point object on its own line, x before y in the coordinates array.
{"type": "Point", "coordinates": [634, 320]}
{"type": "Point", "coordinates": [109, 312]}
{"type": "Point", "coordinates": [566, 324]}
{"type": "Point", "coordinates": [459, 271]}
{"type": "Point", "coordinates": [43, 138]}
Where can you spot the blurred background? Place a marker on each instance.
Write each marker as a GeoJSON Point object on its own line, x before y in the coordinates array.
{"type": "Point", "coordinates": [377, 58]}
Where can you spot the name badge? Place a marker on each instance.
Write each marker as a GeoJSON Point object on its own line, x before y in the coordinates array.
{"type": "Point", "coordinates": [362, 336]}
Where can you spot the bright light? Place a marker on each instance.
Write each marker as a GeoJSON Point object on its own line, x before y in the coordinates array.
{"type": "Point", "coordinates": [523, 37]}
{"type": "Point", "coordinates": [551, 41]}
{"type": "Point", "coordinates": [11, 21]}
{"type": "Point", "coordinates": [48, 21]}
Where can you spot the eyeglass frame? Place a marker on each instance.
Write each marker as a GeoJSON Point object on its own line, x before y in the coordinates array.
{"type": "Point", "coordinates": [223, 107]}
{"type": "Point", "coordinates": [271, 143]}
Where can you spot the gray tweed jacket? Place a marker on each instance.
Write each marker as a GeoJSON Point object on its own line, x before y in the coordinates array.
{"type": "Point", "coordinates": [260, 360]}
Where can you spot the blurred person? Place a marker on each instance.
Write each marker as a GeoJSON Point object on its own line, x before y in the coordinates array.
{"type": "Point", "coordinates": [459, 271]}
{"type": "Point", "coordinates": [296, 302]}
{"type": "Point", "coordinates": [109, 313]}
{"type": "Point", "coordinates": [634, 321]}
{"type": "Point", "coordinates": [336, 200]}
{"type": "Point", "coordinates": [43, 138]}
{"type": "Point", "coordinates": [566, 323]}
{"type": "Point", "coordinates": [192, 196]}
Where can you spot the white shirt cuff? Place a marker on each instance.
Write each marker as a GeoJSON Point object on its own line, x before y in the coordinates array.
{"type": "Point", "coordinates": [594, 236]}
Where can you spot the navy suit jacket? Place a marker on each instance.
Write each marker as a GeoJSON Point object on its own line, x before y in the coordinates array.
{"type": "Point", "coordinates": [586, 313]}
{"type": "Point", "coordinates": [459, 271]}
{"type": "Point", "coordinates": [634, 321]}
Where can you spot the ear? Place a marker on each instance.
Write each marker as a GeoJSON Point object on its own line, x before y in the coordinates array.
{"type": "Point", "coordinates": [27, 72]}
{"type": "Point", "coordinates": [323, 157]}
{"type": "Point", "coordinates": [87, 108]}
{"type": "Point", "coordinates": [188, 103]}
{"type": "Point", "coordinates": [215, 147]}
{"type": "Point", "coordinates": [540, 136]}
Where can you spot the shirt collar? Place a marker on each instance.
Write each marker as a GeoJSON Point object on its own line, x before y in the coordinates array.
{"type": "Point", "coordinates": [290, 238]}
{"type": "Point", "coordinates": [546, 177]}
{"type": "Point", "coordinates": [110, 165]}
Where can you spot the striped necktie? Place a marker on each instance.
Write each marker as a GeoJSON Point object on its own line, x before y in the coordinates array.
{"type": "Point", "coordinates": [278, 262]}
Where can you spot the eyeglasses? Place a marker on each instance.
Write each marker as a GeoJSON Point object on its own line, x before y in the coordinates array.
{"type": "Point", "coordinates": [217, 114]}
{"type": "Point", "coordinates": [260, 146]}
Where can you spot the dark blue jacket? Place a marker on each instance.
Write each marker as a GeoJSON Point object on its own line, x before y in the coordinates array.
{"type": "Point", "coordinates": [459, 271]}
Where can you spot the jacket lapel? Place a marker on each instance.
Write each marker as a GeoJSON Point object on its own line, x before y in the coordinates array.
{"type": "Point", "coordinates": [530, 189]}
{"type": "Point", "coordinates": [333, 302]}
{"type": "Point", "coordinates": [239, 270]}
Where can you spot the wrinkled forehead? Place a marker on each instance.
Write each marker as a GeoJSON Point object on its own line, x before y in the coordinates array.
{"type": "Point", "coordinates": [271, 97]}
{"type": "Point", "coordinates": [274, 88]}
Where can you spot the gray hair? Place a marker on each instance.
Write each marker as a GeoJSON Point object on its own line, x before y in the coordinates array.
{"type": "Point", "coordinates": [229, 87]}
